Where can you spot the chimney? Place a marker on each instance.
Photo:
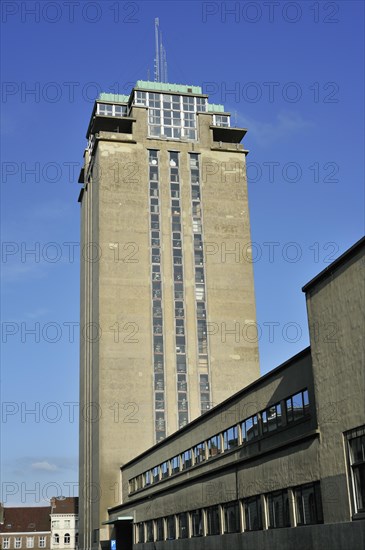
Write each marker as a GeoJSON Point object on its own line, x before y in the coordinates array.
{"type": "Point", "coordinates": [53, 504]}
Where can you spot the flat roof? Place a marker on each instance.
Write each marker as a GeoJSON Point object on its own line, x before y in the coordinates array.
{"type": "Point", "coordinates": [147, 85]}
{"type": "Point", "coordinates": [336, 264]}
{"type": "Point", "coordinates": [213, 411]}
{"type": "Point", "coordinates": [116, 98]}
{"type": "Point", "coordinates": [168, 87]}
{"type": "Point", "coordinates": [216, 108]}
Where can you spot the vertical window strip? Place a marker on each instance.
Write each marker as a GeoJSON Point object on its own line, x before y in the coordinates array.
{"type": "Point", "coordinates": [179, 293]}
{"type": "Point", "coordinates": [200, 283]}
{"type": "Point", "coordinates": [156, 297]}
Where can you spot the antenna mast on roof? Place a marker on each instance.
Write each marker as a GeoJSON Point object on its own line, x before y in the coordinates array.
{"type": "Point", "coordinates": [160, 55]}
{"type": "Point", "coordinates": [161, 60]}
{"type": "Point", "coordinates": [157, 53]}
{"type": "Point", "coordinates": [164, 64]}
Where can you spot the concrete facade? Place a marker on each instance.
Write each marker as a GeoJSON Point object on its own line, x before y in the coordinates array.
{"type": "Point", "coordinates": [336, 313]}
{"type": "Point", "coordinates": [298, 481]}
{"type": "Point", "coordinates": [125, 406]}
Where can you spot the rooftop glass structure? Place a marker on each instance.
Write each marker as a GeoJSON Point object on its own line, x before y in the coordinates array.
{"type": "Point", "coordinates": [172, 108]}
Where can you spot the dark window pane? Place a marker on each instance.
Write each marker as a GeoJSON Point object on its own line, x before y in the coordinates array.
{"type": "Point", "coordinates": [197, 523]}
{"type": "Point", "coordinates": [183, 526]}
{"type": "Point", "coordinates": [253, 514]}
{"type": "Point", "coordinates": [175, 464]}
{"type": "Point", "coordinates": [213, 522]}
{"type": "Point", "coordinates": [230, 438]}
{"type": "Point", "coordinates": [171, 529]}
{"type": "Point", "coordinates": [159, 529]}
{"type": "Point", "coordinates": [214, 446]}
{"type": "Point", "coordinates": [359, 482]}
{"type": "Point", "coordinates": [140, 532]}
{"type": "Point", "coordinates": [187, 459]}
{"type": "Point", "coordinates": [308, 504]}
{"type": "Point", "coordinates": [199, 453]}
{"type": "Point", "coordinates": [271, 418]}
{"type": "Point", "coordinates": [149, 531]}
{"type": "Point", "coordinates": [278, 504]}
{"type": "Point", "coordinates": [231, 517]}
{"type": "Point", "coordinates": [164, 470]}
{"type": "Point", "coordinates": [250, 429]}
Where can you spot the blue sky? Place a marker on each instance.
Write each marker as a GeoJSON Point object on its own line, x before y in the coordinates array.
{"type": "Point", "coordinates": [292, 73]}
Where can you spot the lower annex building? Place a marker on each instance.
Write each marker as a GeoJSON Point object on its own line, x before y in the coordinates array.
{"type": "Point", "coordinates": [281, 463]}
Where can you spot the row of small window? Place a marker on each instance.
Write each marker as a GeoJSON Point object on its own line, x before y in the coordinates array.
{"type": "Point", "coordinates": [269, 511]}
{"type": "Point", "coordinates": [171, 102]}
{"type": "Point", "coordinates": [176, 216]}
{"type": "Point", "coordinates": [169, 111]}
{"type": "Point", "coordinates": [57, 523]}
{"type": "Point", "coordinates": [156, 284]}
{"type": "Point", "coordinates": [270, 419]}
{"type": "Point", "coordinates": [158, 343]}
{"type": "Point", "coordinates": [5, 542]}
{"type": "Point", "coordinates": [183, 406]}
{"type": "Point", "coordinates": [156, 289]}
{"type": "Point", "coordinates": [182, 387]}
{"type": "Point", "coordinates": [111, 110]}
{"type": "Point", "coordinates": [199, 279]}
{"type": "Point", "coordinates": [197, 213]}
{"type": "Point", "coordinates": [205, 403]}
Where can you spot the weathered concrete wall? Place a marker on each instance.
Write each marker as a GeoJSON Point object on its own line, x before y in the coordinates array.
{"type": "Point", "coordinates": [287, 381]}
{"type": "Point", "coordinates": [116, 365]}
{"type": "Point", "coordinates": [336, 314]}
{"type": "Point", "coordinates": [280, 470]}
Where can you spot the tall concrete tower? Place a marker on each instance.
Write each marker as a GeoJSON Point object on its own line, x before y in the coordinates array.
{"type": "Point", "coordinates": [167, 294]}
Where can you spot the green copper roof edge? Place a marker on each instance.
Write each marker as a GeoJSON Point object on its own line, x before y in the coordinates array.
{"type": "Point", "coordinates": [119, 98]}
{"type": "Point", "coordinates": [161, 87]}
{"type": "Point", "coordinates": [215, 108]}
{"type": "Point", "coordinates": [168, 87]}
